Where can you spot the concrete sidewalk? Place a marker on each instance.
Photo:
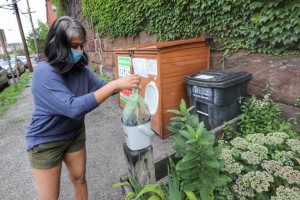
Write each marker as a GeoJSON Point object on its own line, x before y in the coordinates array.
{"type": "Point", "coordinates": [105, 159]}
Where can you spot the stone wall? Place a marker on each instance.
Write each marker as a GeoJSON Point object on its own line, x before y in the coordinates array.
{"type": "Point", "coordinates": [284, 72]}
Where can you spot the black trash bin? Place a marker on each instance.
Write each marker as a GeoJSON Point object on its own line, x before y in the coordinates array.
{"type": "Point", "coordinates": [215, 93]}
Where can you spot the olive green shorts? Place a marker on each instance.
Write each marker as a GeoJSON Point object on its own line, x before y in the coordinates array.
{"type": "Point", "coordinates": [49, 155]}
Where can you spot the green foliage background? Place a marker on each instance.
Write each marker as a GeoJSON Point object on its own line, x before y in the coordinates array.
{"type": "Point", "coordinates": [268, 26]}
{"type": "Point", "coordinates": [41, 32]}
{"type": "Point", "coordinates": [60, 6]}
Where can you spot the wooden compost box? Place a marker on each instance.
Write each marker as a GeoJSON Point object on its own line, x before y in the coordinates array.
{"type": "Point", "coordinates": [166, 64]}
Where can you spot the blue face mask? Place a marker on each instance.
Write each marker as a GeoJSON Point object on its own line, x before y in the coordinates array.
{"type": "Point", "coordinates": [75, 57]}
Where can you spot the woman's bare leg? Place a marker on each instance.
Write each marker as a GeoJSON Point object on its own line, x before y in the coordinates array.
{"type": "Point", "coordinates": [76, 164]}
{"type": "Point", "coordinates": [47, 182]}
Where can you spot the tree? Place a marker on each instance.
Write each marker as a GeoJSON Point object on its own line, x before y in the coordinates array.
{"type": "Point", "coordinates": [20, 52]}
{"type": "Point", "coordinates": [41, 32]}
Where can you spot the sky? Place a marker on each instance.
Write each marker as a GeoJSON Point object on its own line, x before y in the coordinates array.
{"type": "Point", "coordinates": [8, 19]}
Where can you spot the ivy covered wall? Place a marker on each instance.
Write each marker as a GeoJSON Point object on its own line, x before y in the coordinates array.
{"type": "Point", "coordinates": [268, 26]}
{"type": "Point", "coordinates": [283, 71]}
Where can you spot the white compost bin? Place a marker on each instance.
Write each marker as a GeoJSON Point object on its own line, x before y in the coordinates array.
{"type": "Point", "coordinates": [139, 137]}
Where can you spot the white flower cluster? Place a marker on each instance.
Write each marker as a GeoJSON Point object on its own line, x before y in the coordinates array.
{"type": "Point", "coordinates": [256, 154]}
{"type": "Point", "coordinates": [296, 149]}
{"type": "Point", "coordinates": [230, 165]}
{"type": "Point", "coordinates": [241, 189]}
{"type": "Point", "coordinates": [224, 191]}
{"type": "Point", "coordinates": [240, 143]}
{"type": "Point", "coordinates": [279, 135]}
{"type": "Point", "coordinates": [257, 138]}
{"type": "Point", "coordinates": [272, 140]}
{"type": "Point", "coordinates": [292, 176]}
{"type": "Point", "coordinates": [259, 181]}
{"type": "Point", "coordinates": [283, 193]}
{"type": "Point", "coordinates": [259, 104]}
{"type": "Point", "coordinates": [271, 166]}
{"type": "Point", "coordinates": [292, 142]}
{"type": "Point", "coordinates": [284, 157]}
{"type": "Point", "coordinates": [257, 148]}
{"type": "Point", "coordinates": [236, 152]}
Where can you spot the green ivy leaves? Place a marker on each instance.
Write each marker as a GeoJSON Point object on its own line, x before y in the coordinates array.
{"type": "Point", "coordinates": [271, 27]}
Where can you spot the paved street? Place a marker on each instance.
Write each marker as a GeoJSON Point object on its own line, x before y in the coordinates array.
{"type": "Point", "coordinates": [105, 159]}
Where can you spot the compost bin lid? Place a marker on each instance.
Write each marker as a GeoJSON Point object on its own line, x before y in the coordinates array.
{"type": "Point", "coordinates": [151, 97]}
{"type": "Point", "coordinates": [217, 78]}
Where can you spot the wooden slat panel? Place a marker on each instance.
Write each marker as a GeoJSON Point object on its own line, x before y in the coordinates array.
{"type": "Point", "coordinates": [185, 72]}
{"type": "Point", "coordinates": [184, 63]}
{"type": "Point", "coordinates": [173, 79]}
{"type": "Point", "coordinates": [185, 52]}
{"type": "Point", "coordinates": [192, 56]}
{"type": "Point", "coordinates": [173, 94]}
{"type": "Point", "coordinates": [174, 103]}
{"type": "Point", "coordinates": [174, 89]}
{"type": "Point", "coordinates": [174, 84]}
{"type": "Point", "coordinates": [184, 67]}
{"type": "Point", "coordinates": [175, 97]}
{"type": "Point", "coordinates": [185, 46]}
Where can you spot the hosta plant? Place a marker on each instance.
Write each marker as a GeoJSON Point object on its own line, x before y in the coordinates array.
{"type": "Point", "coordinates": [199, 167]}
{"type": "Point", "coordinates": [261, 167]}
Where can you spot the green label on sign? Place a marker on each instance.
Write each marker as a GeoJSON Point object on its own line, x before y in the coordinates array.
{"type": "Point", "coordinates": [124, 61]}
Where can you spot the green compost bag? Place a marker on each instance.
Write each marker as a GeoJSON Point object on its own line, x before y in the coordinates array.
{"type": "Point", "coordinates": [136, 111]}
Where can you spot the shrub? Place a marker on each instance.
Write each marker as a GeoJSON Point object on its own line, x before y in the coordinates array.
{"type": "Point", "coordinates": [261, 166]}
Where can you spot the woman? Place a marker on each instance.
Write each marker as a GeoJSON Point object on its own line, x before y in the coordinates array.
{"type": "Point", "coordinates": [64, 90]}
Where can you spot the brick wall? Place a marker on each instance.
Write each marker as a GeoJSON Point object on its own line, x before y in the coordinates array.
{"type": "Point", "coordinates": [284, 72]}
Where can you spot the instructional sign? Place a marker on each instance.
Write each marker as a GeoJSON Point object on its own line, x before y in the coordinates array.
{"type": "Point", "coordinates": [152, 67]}
{"type": "Point", "coordinates": [124, 70]}
{"type": "Point", "coordinates": [140, 67]}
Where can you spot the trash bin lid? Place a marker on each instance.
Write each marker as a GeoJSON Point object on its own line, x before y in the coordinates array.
{"type": "Point", "coordinates": [217, 78]}
{"type": "Point", "coordinates": [151, 97]}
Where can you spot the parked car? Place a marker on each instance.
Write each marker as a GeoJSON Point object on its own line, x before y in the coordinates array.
{"type": "Point", "coordinates": [4, 80]}
{"type": "Point", "coordinates": [21, 67]}
{"type": "Point", "coordinates": [24, 60]}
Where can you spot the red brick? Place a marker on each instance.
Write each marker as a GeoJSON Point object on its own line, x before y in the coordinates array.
{"type": "Point", "coordinates": [98, 46]}
{"type": "Point", "coordinates": [145, 38]}
{"type": "Point", "coordinates": [91, 46]}
{"type": "Point", "coordinates": [109, 71]}
{"type": "Point", "coordinates": [108, 58]}
{"type": "Point", "coordinates": [95, 58]}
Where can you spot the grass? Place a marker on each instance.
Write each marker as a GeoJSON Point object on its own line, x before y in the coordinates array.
{"type": "Point", "coordinates": [8, 97]}
{"type": "Point", "coordinates": [18, 121]}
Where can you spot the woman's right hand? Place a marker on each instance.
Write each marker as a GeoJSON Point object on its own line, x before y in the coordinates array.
{"type": "Point", "coordinates": [128, 82]}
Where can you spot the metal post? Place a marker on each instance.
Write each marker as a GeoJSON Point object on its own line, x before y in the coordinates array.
{"type": "Point", "coordinates": [5, 51]}
{"type": "Point", "coordinates": [16, 64]}
{"type": "Point", "coordinates": [23, 37]}
{"type": "Point", "coordinates": [33, 31]}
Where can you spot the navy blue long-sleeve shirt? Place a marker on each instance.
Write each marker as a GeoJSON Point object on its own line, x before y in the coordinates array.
{"type": "Point", "coordinates": [61, 102]}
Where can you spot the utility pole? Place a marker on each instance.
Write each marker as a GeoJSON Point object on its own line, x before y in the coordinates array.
{"type": "Point", "coordinates": [23, 37]}
{"type": "Point", "coordinates": [16, 64]}
{"type": "Point", "coordinates": [34, 37]}
{"type": "Point", "coordinates": [11, 70]}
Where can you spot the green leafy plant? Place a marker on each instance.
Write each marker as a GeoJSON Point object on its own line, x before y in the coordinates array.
{"type": "Point", "coordinates": [93, 69]}
{"type": "Point", "coordinates": [270, 27]}
{"type": "Point", "coordinates": [105, 77]}
{"type": "Point", "coordinates": [296, 120]}
{"type": "Point", "coordinates": [8, 97]}
{"type": "Point", "coordinates": [261, 116]}
{"type": "Point", "coordinates": [137, 190]}
{"type": "Point", "coordinates": [41, 32]}
{"type": "Point", "coordinates": [60, 7]}
{"type": "Point", "coordinates": [199, 167]}
{"type": "Point", "coordinates": [261, 167]}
